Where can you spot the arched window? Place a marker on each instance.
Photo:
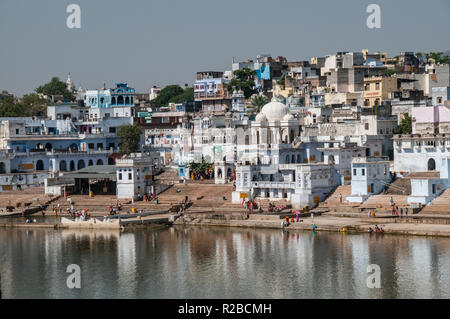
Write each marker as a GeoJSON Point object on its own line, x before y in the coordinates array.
{"type": "Point", "coordinates": [293, 159]}
{"type": "Point", "coordinates": [113, 101]}
{"type": "Point", "coordinates": [219, 173]}
{"type": "Point", "coordinates": [63, 166]}
{"type": "Point", "coordinates": [2, 168]}
{"type": "Point", "coordinates": [257, 137]}
{"type": "Point", "coordinates": [287, 159]}
{"type": "Point", "coordinates": [127, 100]}
{"type": "Point", "coordinates": [110, 161]}
{"type": "Point", "coordinates": [120, 100]}
{"type": "Point", "coordinates": [431, 164]}
{"type": "Point", "coordinates": [247, 140]}
{"type": "Point", "coordinates": [90, 163]}
{"type": "Point", "coordinates": [72, 165]}
{"type": "Point", "coordinates": [48, 146]}
{"type": "Point", "coordinates": [299, 159]}
{"type": "Point", "coordinates": [81, 164]}
{"type": "Point", "coordinates": [39, 165]}
{"type": "Point", "coordinates": [99, 162]}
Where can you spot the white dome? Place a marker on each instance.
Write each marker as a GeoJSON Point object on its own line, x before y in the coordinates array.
{"type": "Point", "coordinates": [260, 118]}
{"type": "Point", "coordinates": [274, 110]}
{"type": "Point", "coordinates": [288, 117]}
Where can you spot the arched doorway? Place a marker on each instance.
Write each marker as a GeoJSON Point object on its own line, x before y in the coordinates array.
{"type": "Point", "coordinates": [111, 161]}
{"type": "Point", "coordinates": [299, 159]}
{"type": "Point", "coordinates": [219, 173]}
{"type": "Point", "coordinates": [72, 165]}
{"type": "Point", "coordinates": [81, 164]}
{"type": "Point", "coordinates": [99, 162]}
{"type": "Point", "coordinates": [247, 140]}
{"type": "Point", "coordinates": [257, 137]}
{"type": "Point", "coordinates": [2, 168]}
{"type": "Point", "coordinates": [39, 165]}
{"type": "Point", "coordinates": [74, 147]}
{"type": "Point", "coordinates": [63, 166]}
{"type": "Point", "coordinates": [127, 100]}
{"type": "Point", "coordinates": [431, 164]}
{"type": "Point", "coordinates": [120, 100]}
{"type": "Point", "coordinates": [90, 163]}
{"type": "Point", "coordinates": [331, 160]}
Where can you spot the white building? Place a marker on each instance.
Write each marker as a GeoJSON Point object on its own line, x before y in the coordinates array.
{"type": "Point", "coordinates": [134, 174]}
{"type": "Point", "coordinates": [370, 175]}
{"type": "Point", "coordinates": [425, 189]}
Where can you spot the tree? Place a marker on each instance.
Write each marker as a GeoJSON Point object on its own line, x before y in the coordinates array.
{"type": "Point", "coordinates": [243, 80]}
{"type": "Point", "coordinates": [169, 94]}
{"type": "Point", "coordinates": [129, 138]}
{"type": "Point", "coordinates": [56, 87]}
{"type": "Point", "coordinates": [202, 169]}
{"type": "Point", "coordinates": [29, 105]}
{"type": "Point", "coordinates": [438, 58]}
{"type": "Point", "coordinates": [405, 126]}
{"type": "Point", "coordinates": [282, 81]}
{"type": "Point", "coordinates": [257, 103]}
{"type": "Point", "coordinates": [186, 96]}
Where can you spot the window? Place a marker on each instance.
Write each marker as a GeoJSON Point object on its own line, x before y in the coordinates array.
{"type": "Point", "coordinates": [17, 131]}
{"type": "Point", "coordinates": [354, 172]}
{"type": "Point", "coordinates": [120, 176]}
{"type": "Point", "coordinates": [366, 126]}
{"type": "Point", "coordinates": [439, 100]}
{"type": "Point", "coordinates": [91, 146]}
{"type": "Point", "coordinates": [130, 176]}
{"type": "Point", "coordinates": [112, 130]}
{"type": "Point", "coordinates": [377, 86]}
{"type": "Point", "coordinates": [363, 172]}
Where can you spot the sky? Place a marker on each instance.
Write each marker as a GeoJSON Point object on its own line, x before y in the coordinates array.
{"type": "Point", "coordinates": [161, 42]}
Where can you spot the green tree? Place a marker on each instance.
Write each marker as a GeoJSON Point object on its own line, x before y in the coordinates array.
{"type": "Point", "coordinates": [29, 105]}
{"type": "Point", "coordinates": [243, 80]}
{"type": "Point", "coordinates": [201, 169]}
{"type": "Point", "coordinates": [282, 81]}
{"type": "Point", "coordinates": [129, 137]}
{"type": "Point", "coordinates": [34, 105]}
{"type": "Point", "coordinates": [257, 103]}
{"type": "Point", "coordinates": [186, 96]}
{"type": "Point", "coordinates": [167, 94]}
{"type": "Point", "coordinates": [56, 87]}
{"type": "Point", "coordinates": [438, 57]}
{"type": "Point", "coordinates": [405, 126]}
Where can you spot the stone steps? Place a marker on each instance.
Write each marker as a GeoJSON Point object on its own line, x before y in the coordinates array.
{"type": "Point", "coordinates": [439, 205]}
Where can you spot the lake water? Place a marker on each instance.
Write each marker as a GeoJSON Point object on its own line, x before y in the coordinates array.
{"type": "Point", "coordinates": [210, 262]}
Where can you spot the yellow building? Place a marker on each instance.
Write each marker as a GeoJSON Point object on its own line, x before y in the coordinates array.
{"type": "Point", "coordinates": [377, 88]}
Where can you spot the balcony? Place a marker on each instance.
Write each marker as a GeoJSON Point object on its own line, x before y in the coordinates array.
{"type": "Point", "coordinates": [278, 185]}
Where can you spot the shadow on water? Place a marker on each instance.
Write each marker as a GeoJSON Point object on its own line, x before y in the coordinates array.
{"type": "Point", "coordinates": [217, 262]}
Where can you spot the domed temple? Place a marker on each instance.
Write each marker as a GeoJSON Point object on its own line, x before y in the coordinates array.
{"type": "Point", "coordinates": [272, 163]}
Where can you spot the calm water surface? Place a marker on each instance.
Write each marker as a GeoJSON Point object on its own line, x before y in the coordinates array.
{"type": "Point", "coordinates": [197, 262]}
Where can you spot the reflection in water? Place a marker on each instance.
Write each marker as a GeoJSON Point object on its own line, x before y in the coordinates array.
{"type": "Point", "coordinates": [208, 262]}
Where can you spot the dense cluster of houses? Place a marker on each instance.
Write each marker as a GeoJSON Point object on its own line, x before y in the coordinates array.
{"type": "Point", "coordinates": [328, 121]}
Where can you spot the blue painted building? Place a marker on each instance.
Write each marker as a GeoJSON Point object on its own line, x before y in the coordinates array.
{"type": "Point", "coordinates": [121, 95]}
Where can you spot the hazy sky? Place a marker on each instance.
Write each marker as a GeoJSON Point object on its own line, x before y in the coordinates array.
{"type": "Point", "coordinates": [160, 42]}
